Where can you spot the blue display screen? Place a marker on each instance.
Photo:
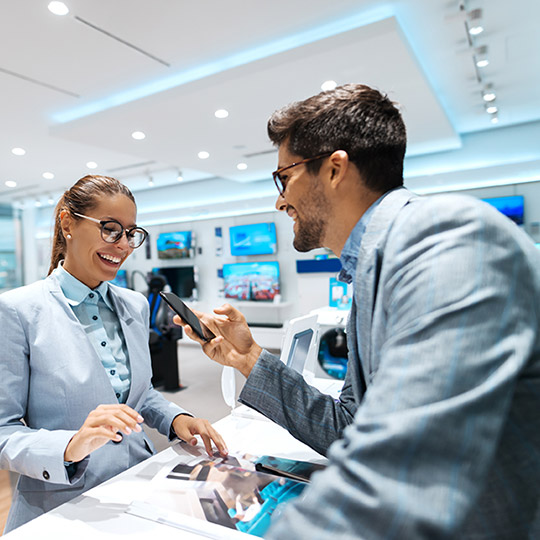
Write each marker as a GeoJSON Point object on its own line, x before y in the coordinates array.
{"type": "Point", "coordinates": [120, 279]}
{"type": "Point", "coordinates": [251, 281]}
{"type": "Point", "coordinates": [256, 239]}
{"type": "Point", "coordinates": [174, 245]}
{"type": "Point", "coordinates": [511, 206]}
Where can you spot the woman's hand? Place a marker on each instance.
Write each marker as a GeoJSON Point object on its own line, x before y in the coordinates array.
{"type": "Point", "coordinates": [186, 427]}
{"type": "Point", "coordinates": [234, 345]}
{"type": "Point", "coordinates": [102, 425]}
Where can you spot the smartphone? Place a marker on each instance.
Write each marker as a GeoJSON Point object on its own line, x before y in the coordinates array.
{"type": "Point", "coordinates": [288, 468]}
{"type": "Point", "coordinates": [187, 316]}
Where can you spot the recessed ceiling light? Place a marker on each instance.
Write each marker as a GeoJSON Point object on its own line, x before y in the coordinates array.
{"type": "Point", "coordinates": [58, 8]}
{"type": "Point", "coordinates": [495, 120]}
{"type": "Point", "coordinates": [50, 199]}
{"type": "Point", "coordinates": [221, 113]}
{"type": "Point", "coordinates": [489, 96]}
{"type": "Point", "coordinates": [151, 181]}
{"type": "Point", "coordinates": [138, 135]}
{"type": "Point", "coordinates": [482, 63]}
{"type": "Point", "coordinates": [92, 165]}
{"type": "Point", "coordinates": [328, 85]}
{"type": "Point", "coordinates": [18, 151]}
{"type": "Point", "coordinates": [491, 109]}
{"type": "Point", "coordinates": [179, 176]}
{"type": "Point", "coordinates": [48, 175]}
{"type": "Point", "coordinates": [203, 154]}
{"type": "Point", "coordinates": [37, 203]}
{"type": "Point", "coordinates": [11, 183]}
{"type": "Point", "coordinates": [475, 30]}
{"type": "Point", "coordinates": [242, 166]}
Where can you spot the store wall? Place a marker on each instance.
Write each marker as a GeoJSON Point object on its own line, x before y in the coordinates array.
{"type": "Point", "coordinates": [301, 293]}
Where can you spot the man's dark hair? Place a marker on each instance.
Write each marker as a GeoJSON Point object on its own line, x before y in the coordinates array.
{"type": "Point", "coordinates": [354, 118]}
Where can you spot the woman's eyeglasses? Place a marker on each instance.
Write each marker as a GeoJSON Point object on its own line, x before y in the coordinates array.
{"type": "Point", "coordinates": [112, 231]}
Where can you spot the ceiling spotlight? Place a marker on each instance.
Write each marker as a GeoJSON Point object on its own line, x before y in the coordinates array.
{"type": "Point", "coordinates": [58, 8]}
{"type": "Point", "coordinates": [150, 181]}
{"type": "Point", "coordinates": [488, 94]}
{"type": "Point", "coordinates": [476, 30]}
{"type": "Point", "coordinates": [475, 17]}
{"type": "Point", "coordinates": [480, 56]}
{"type": "Point", "coordinates": [495, 120]}
{"type": "Point", "coordinates": [179, 175]}
{"type": "Point", "coordinates": [48, 175]}
{"type": "Point", "coordinates": [221, 113]}
{"type": "Point", "coordinates": [242, 166]}
{"type": "Point", "coordinates": [203, 154]}
{"type": "Point", "coordinates": [138, 135]}
{"type": "Point", "coordinates": [328, 85]}
{"type": "Point", "coordinates": [92, 165]}
{"type": "Point", "coordinates": [11, 183]}
{"type": "Point", "coordinates": [37, 203]}
{"type": "Point", "coordinates": [18, 151]}
{"type": "Point", "coordinates": [492, 108]}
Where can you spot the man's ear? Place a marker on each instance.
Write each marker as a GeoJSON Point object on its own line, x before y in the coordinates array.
{"type": "Point", "coordinates": [338, 164]}
{"type": "Point", "coordinates": [66, 222]}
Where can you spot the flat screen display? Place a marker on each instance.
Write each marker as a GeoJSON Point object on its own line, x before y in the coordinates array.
{"type": "Point", "coordinates": [255, 239]}
{"type": "Point", "coordinates": [251, 281]}
{"type": "Point", "coordinates": [181, 279]}
{"type": "Point", "coordinates": [120, 279]}
{"type": "Point", "coordinates": [174, 245]}
{"type": "Point", "coordinates": [511, 206]}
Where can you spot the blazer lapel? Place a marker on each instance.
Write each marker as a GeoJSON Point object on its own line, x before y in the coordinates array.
{"type": "Point", "coordinates": [368, 268]}
{"type": "Point", "coordinates": [133, 339]}
{"type": "Point", "coordinates": [76, 330]}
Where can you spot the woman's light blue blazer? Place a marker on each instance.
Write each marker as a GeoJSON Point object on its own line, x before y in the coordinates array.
{"type": "Point", "coordinates": [50, 380]}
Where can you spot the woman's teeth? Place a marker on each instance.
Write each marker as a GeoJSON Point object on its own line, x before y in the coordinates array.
{"type": "Point", "coordinates": [110, 258]}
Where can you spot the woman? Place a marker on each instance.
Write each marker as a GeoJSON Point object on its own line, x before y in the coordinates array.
{"type": "Point", "coordinates": [75, 368]}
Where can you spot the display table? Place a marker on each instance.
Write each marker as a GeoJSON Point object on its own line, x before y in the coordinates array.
{"type": "Point", "coordinates": [100, 512]}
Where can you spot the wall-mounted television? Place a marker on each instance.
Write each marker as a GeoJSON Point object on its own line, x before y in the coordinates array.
{"type": "Point", "coordinates": [255, 239]}
{"type": "Point", "coordinates": [174, 245]}
{"type": "Point", "coordinates": [120, 279]}
{"type": "Point", "coordinates": [251, 281]}
{"type": "Point", "coordinates": [181, 279]}
{"type": "Point", "coordinates": [511, 206]}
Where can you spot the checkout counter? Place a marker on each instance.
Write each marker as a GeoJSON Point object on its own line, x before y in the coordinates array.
{"type": "Point", "coordinates": [102, 512]}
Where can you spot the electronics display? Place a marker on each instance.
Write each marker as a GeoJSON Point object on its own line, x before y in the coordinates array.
{"type": "Point", "coordinates": [255, 239]}
{"type": "Point", "coordinates": [251, 281]}
{"type": "Point", "coordinates": [187, 316]}
{"type": "Point", "coordinates": [181, 279]}
{"type": "Point", "coordinates": [511, 206]}
{"type": "Point", "coordinates": [120, 279]}
{"type": "Point", "coordinates": [175, 245]}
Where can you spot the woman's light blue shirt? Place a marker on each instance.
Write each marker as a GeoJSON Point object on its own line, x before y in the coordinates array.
{"type": "Point", "coordinates": [95, 312]}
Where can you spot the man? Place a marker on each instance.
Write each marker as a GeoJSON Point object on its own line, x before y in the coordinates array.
{"type": "Point", "coordinates": [437, 432]}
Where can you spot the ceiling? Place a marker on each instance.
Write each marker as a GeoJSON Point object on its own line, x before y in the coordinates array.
{"type": "Point", "coordinates": [74, 88]}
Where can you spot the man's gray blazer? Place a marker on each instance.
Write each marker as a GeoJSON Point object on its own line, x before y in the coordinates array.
{"type": "Point", "coordinates": [445, 440]}
{"type": "Point", "coordinates": [50, 379]}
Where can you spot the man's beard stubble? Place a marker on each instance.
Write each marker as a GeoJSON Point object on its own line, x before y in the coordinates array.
{"type": "Point", "coordinates": [311, 227]}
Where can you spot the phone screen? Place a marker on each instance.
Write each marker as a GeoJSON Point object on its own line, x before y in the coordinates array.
{"type": "Point", "coordinates": [187, 315]}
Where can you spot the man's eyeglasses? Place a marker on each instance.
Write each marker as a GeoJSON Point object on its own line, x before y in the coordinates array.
{"type": "Point", "coordinates": [280, 181]}
{"type": "Point", "coordinates": [112, 231]}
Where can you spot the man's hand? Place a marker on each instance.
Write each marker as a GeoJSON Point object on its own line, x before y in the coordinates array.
{"type": "Point", "coordinates": [186, 427]}
{"type": "Point", "coordinates": [233, 345]}
{"type": "Point", "coordinates": [102, 425]}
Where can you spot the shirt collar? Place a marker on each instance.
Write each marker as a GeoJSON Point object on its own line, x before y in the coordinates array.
{"type": "Point", "coordinates": [349, 253]}
{"type": "Point", "coordinates": [77, 292]}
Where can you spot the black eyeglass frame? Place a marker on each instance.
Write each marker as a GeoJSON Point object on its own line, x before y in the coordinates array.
{"type": "Point", "coordinates": [104, 222]}
{"type": "Point", "coordinates": [281, 187]}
